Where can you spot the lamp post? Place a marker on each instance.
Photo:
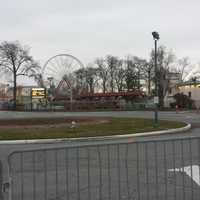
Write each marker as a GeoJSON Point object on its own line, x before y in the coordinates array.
{"type": "Point", "coordinates": [156, 37]}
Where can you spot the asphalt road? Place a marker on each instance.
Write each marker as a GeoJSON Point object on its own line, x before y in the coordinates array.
{"type": "Point", "coordinates": [140, 168]}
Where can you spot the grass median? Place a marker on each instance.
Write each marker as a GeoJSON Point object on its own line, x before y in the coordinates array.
{"type": "Point", "coordinates": [55, 128]}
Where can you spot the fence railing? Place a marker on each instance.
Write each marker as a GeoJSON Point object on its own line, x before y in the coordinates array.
{"type": "Point", "coordinates": [167, 169]}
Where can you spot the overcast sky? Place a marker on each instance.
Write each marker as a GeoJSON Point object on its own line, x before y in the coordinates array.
{"type": "Point", "coordinates": [90, 28]}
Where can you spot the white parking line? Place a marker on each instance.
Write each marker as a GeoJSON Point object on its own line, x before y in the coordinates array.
{"type": "Point", "coordinates": [192, 171]}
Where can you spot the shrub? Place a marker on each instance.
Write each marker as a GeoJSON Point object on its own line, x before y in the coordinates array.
{"type": "Point", "coordinates": [182, 101]}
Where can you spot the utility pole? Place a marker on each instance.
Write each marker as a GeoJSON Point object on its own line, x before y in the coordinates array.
{"type": "Point", "coordinates": [156, 37]}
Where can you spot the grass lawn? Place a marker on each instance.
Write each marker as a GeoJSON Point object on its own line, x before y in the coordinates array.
{"type": "Point", "coordinates": [113, 126]}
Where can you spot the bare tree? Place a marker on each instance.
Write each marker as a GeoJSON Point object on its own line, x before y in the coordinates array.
{"type": "Point", "coordinates": [119, 75]}
{"type": "Point", "coordinates": [91, 78]}
{"type": "Point", "coordinates": [102, 73]}
{"type": "Point", "coordinates": [166, 60]}
{"type": "Point", "coordinates": [194, 72]}
{"type": "Point", "coordinates": [131, 73]}
{"type": "Point", "coordinates": [148, 74]}
{"type": "Point", "coordinates": [15, 58]}
{"type": "Point", "coordinates": [139, 65]}
{"type": "Point", "coordinates": [112, 62]}
{"type": "Point", "coordinates": [38, 78]}
{"type": "Point", "coordinates": [80, 79]}
{"type": "Point", "coordinates": [86, 78]}
{"type": "Point", "coordinates": [183, 67]}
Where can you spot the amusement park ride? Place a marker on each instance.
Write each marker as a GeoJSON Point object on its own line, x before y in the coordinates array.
{"type": "Point", "coordinates": [58, 75]}
{"type": "Point", "coordinates": [63, 84]}
{"type": "Point", "coordinates": [59, 79]}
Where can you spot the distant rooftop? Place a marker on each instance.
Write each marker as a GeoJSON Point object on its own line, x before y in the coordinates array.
{"type": "Point", "coordinates": [188, 83]}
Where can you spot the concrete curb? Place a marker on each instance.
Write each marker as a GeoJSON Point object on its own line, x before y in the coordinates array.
{"type": "Point", "coordinates": [93, 139]}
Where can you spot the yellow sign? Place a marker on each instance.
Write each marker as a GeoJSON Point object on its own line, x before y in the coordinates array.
{"type": "Point", "coordinates": [38, 92]}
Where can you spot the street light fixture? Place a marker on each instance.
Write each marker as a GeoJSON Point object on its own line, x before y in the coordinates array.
{"type": "Point", "coordinates": [156, 37]}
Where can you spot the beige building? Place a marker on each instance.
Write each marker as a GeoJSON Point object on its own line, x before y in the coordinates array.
{"type": "Point", "coordinates": [3, 90]}
{"type": "Point", "coordinates": [189, 88]}
{"type": "Point", "coordinates": [23, 93]}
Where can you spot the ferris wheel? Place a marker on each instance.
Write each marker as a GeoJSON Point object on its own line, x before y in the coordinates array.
{"type": "Point", "coordinates": [61, 68]}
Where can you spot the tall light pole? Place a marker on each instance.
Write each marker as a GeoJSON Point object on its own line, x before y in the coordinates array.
{"type": "Point", "coordinates": [156, 37]}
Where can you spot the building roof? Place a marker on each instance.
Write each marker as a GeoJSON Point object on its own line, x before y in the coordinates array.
{"type": "Point", "coordinates": [188, 83]}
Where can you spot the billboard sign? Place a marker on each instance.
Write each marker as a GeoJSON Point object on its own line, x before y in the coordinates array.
{"type": "Point", "coordinates": [38, 93]}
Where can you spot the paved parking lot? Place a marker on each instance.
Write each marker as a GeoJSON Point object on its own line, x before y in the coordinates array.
{"type": "Point", "coordinates": [147, 166]}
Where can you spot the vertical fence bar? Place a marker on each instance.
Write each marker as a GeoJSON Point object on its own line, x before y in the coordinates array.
{"type": "Point", "coordinates": [165, 168]}
{"type": "Point", "coordinates": [174, 167]}
{"type": "Point", "coordinates": [191, 167]}
{"type": "Point", "coordinates": [127, 170]}
{"type": "Point", "coordinates": [156, 168]}
{"type": "Point", "coordinates": [147, 169]}
{"type": "Point", "coordinates": [45, 175]}
{"type": "Point", "coordinates": [138, 171]}
{"type": "Point", "coordinates": [88, 166]}
{"type": "Point", "coordinates": [22, 175]}
{"type": "Point", "coordinates": [183, 164]}
{"type": "Point", "coordinates": [56, 166]}
{"type": "Point", "coordinates": [100, 173]}
{"type": "Point", "coordinates": [198, 143]}
{"type": "Point", "coordinates": [10, 193]}
{"type": "Point", "coordinates": [109, 176]}
{"type": "Point", "coordinates": [78, 173]}
{"type": "Point", "coordinates": [34, 181]}
{"type": "Point", "coordinates": [67, 172]}
{"type": "Point", "coordinates": [118, 172]}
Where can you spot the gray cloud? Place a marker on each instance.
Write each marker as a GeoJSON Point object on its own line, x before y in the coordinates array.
{"type": "Point", "coordinates": [92, 28]}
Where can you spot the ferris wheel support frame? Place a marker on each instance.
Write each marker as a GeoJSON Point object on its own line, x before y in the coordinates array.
{"type": "Point", "coordinates": [73, 57]}
{"type": "Point", "coordinates": [67, 55]}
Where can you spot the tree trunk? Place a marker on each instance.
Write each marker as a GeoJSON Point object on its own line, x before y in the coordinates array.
{"type": "Point", "coordinates": [104, 86]}
{"type": "Point", "coordinates": [91, 88]}
{"type": "Point", "coordinates": [161, 102]}
{"type": "Point", "coordinates": [161, 96]}
{"type": "Point", "coordinates": [14, 90]}
{"type": "Point", "coordinates": [118, 88]}
{"type": "Point", "coordinates": [111, 84]}
{"type": "Point", "coordinates": [138, 81]}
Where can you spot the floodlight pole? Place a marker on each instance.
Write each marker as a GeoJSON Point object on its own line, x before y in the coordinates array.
{"type": "Point", "coordinates": [156, 37]}
{"type": "Point", "coordinates": [156, 85]}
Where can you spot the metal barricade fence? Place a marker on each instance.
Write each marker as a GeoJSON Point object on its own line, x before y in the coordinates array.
{"type": "Point", "coordinates": [153, 170]}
